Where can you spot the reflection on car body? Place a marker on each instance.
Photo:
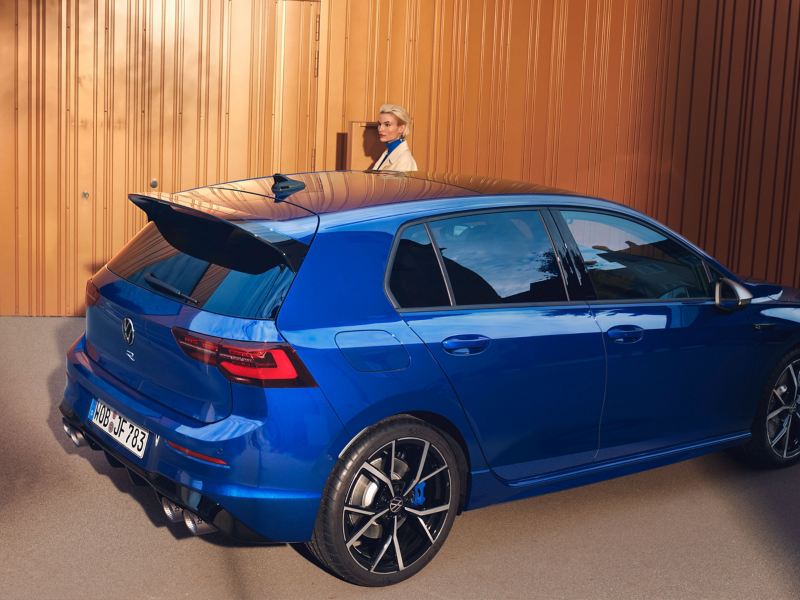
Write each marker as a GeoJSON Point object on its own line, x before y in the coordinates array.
{"type": "Point", "coordinates": [352, 364]}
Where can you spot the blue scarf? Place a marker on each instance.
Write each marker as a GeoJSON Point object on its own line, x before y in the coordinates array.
{"type": "Point", "coordinates": [390, 146]}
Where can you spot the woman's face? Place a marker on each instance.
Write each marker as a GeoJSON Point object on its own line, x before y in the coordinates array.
{"type": "Point", "coordinates": [388, 127]}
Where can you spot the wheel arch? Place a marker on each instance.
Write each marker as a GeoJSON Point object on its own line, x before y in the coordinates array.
{"type": "Point", "coordinates": [459, 447]}
{"type": "Point", "coordinates": [459, 443]}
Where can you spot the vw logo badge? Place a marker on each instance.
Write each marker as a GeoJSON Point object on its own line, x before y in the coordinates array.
{"type": "Point", "coordinates": [395, 504]}
{"type": "Point", "coordinates": [127, 330]}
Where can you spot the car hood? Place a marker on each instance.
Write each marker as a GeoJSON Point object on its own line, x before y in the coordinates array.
{"type": "Point", "coordinates": [789, 295]}
{"type": "Point", "coordinates": [770, 292]}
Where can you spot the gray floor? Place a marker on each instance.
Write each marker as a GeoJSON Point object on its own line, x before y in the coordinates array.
{"type": "Point", "coordinates": [70, 526]}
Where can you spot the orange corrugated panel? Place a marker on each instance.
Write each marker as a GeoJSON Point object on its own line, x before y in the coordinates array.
{"type": "Point", "coordinates": [102, 97]}
{"type": "Point", "coordinates": [686, 110]}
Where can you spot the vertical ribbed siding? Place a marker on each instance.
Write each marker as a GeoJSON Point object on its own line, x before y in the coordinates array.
{"type": "Point", "coordinates": [100, 96]}
{"type": "Point", "coordinates": [687, 110]}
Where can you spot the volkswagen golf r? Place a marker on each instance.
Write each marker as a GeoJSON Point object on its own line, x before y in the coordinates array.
{"type": "Point", "coordinates": [350, 359]}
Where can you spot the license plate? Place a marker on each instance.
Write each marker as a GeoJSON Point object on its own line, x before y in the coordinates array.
{"type": "Point", "coordinates": [122, 429]}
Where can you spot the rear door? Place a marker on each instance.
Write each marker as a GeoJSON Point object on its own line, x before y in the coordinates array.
{"type": "Point", "coordinates": [527, 364]}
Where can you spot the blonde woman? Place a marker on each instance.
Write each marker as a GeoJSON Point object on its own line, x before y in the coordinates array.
{"type": "Point", "coordinates": [394, 123]}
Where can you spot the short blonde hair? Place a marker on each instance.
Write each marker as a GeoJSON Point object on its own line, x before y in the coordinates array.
{"type": "Point", "coordinates": [400, 113]}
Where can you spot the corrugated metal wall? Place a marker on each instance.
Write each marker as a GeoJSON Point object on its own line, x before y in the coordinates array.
{"type": "Point", "coordinates": [99, 97]}
{"type": "Point", "coordinates": [686, 109]}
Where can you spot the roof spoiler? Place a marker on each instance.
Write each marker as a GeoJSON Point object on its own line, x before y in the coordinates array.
{"type": "Point", "coordinates": [169, 215]}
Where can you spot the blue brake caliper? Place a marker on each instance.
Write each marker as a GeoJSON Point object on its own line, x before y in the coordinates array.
{"type": "Point", "coordinates": [418, 496]}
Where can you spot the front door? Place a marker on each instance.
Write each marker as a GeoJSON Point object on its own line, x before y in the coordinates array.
{"type": "Point", "coordinates": [677, 366]}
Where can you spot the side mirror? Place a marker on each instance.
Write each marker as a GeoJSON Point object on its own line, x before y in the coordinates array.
{"type": "Point", "coordinates": [730, 295]}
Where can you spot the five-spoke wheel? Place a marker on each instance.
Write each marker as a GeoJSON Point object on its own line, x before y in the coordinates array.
{"type": "Point", "coordinates": [389, 504]}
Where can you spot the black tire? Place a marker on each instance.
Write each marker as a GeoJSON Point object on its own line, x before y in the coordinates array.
{"type": "Point", "coordinates": [776, 427]}
{"type": "Point", "coordinates": [371, 535]}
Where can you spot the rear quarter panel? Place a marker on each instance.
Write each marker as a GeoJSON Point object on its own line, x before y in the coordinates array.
{"type": "Point", "coordinates": [347, 333]}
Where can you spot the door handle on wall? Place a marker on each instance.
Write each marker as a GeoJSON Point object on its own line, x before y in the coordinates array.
{"type": "Point", "coordinates": [625, 334]}
{"type": "Point", "coordinates": [463, 345]}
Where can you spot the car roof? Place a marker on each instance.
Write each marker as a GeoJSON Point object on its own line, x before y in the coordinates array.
{"type": "Point", "coordinates": [336, 198]}
{"type": "Point", "coordinates": [329, 192]}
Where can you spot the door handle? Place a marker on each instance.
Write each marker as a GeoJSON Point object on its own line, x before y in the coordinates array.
{"type": "Point", "coordinates": [462, 345]}
{"type": "Point", "coordinates": [625, 334]}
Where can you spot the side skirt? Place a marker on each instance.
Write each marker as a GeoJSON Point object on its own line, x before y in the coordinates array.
{"type": "Point", "coordinates": [489, 489]}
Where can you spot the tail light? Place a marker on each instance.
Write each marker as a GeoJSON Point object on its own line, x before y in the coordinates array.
{"type": "Point", "coordinates": [92, 294]}
{"type": "Point", "coordinates": [251, 363]}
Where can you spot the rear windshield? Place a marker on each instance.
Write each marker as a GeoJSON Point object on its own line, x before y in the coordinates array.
{"type": "Point", "coordinates": [208, 264]}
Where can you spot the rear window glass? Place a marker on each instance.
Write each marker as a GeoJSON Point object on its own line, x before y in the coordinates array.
{"type": "Point", "coordinates": [499, 258]}
{"type": "Point", "coordinates": [207, 264]}
{"type": "Point", "coordinates": [416, 280]}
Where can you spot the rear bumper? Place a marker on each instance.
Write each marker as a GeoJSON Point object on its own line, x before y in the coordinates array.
{"type": "Point", "coordinates": [187, 498]}
{"type": "Point", "coordinates": [278, 456]}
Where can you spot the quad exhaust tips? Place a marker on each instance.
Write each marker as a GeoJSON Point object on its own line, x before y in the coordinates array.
{"type": "Point", "coordinates": [196, 525]}
{"type": "Point", "coordinates": [172, 511]}
{"type": "Point", "coordinates": [75, 435]}
{"type": "Point", "coordinates": [176, 514]}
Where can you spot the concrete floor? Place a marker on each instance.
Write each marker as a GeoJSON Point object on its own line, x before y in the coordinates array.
{"type": "Point", "coordinates": [71, 527]}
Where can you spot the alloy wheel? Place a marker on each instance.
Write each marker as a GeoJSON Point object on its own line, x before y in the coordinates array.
{"type": "Point", "coordinates": [397, 505]}
{"type": "Point", "coordinates": [783, 413]}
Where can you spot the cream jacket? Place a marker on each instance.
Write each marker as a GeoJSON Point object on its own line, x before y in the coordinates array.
{"type": "Point", "coordinates": [399, 160]}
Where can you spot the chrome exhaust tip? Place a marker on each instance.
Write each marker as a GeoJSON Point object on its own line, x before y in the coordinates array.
{"type": "Point", "coordinates": [172, 511]}
{"type": "Point", "coordinates": [196, 525]}
{"type": "Point", "coordinates": [75, 435]}
{"type": "Point", "coordinates": [77, 438]}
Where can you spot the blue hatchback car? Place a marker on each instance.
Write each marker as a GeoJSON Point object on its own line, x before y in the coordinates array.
{"type": "Point", "coordinates": [350, 359]}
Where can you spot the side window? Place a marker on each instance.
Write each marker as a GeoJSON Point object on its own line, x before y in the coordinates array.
{"type": "Point", "coordinates": [499, 258]}
{"type": "Point", "coordinates": [416, 280]}
{"type": "Point", "coordinates": [629, 261]}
